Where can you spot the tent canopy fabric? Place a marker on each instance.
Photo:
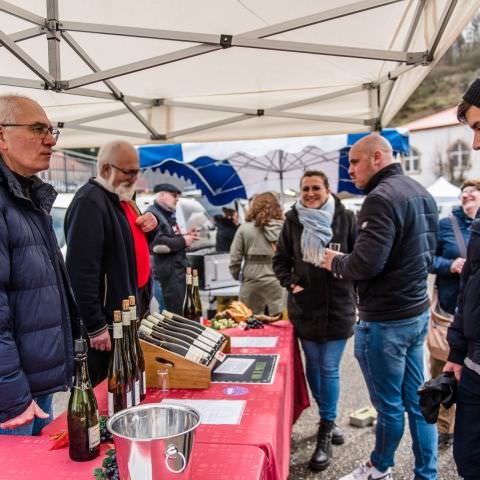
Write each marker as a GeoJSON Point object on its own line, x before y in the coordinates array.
{"type": "Point", "coordinates": [443, 191]}
{"type": "Point", "coordinates": [190, 71]}
{"type": "Point", "coordinates": [227, 171]}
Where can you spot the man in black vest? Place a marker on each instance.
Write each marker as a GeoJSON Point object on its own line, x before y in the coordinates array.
{"type": "Point", "coordinates": [390, 262]}
{"type": "Point", "coordinates": [168, 247]}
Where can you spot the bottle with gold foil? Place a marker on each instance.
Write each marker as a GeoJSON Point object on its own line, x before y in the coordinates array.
{"type": "Point", "coordinates": [119, 385]}
{"type": "Point", "coordinates": [189, 302]}
{"type": "Point", "coordinates": [82, 414]}
{"type": "Point", "coordinates": [140, 361]}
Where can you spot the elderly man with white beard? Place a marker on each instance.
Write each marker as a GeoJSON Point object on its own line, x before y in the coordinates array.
{"type": "Point", "coordinates": [107, 255]}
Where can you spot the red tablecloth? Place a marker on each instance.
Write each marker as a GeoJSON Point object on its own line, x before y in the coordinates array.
{"type": "Point", "coordinates": [29, 458]}
{"type": "Point", "coordinates": [270, 410]}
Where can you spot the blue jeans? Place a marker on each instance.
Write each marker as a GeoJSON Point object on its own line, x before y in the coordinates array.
{"type": "Point", "coordinates": [157, 293]}
{"type": "Point", "coordinates": [323, 374]}
{"type": "Point", "coordinates": [34, 428]}
{"type": "Point", "coordinates": [390, 355]}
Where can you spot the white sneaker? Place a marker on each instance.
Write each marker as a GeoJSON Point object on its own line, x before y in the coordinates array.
{"type": "Point", "coordinates": [366, 472]}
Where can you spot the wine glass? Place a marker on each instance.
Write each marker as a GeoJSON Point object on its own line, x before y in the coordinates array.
{"type": "Point", "coordinates": [163, 383]}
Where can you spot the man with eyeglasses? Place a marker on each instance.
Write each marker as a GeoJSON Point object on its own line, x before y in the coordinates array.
{"type": "Point", "coordinates": [107, 255]}
{"type": "Point", "coordinates": [389, 262]}
{"type": "Point", "coordinates": [36, 302]}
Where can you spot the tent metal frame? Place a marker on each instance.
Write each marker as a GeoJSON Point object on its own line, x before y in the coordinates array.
{"type": "Point", "coordinates": [57, 31]}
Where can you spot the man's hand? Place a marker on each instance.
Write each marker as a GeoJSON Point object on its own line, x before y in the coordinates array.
{"type": "Point", "coordinates": [455, 368]}
{"type": "Point", "coordinates": [191, 236]}
{"type": "Point", "coordinates": [296, 288]}
{"type": "Point", "coordinates": [147, 222]}
{"type": "Point", "coordinates": [457, 265]}
{"type": "Point", "coordinates": [101, 342]}
{"type": "Point", "coordinates": [328, 257]}
{"type": "Point", "coordinates": [26, 417]}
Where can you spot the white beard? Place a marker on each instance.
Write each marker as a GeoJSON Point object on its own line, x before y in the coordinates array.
{"type": "Point", "coordinates": [124, 191]}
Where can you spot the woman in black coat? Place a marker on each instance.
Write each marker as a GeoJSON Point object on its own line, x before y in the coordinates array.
{"type": "Point", "coordinates": [321, 307]}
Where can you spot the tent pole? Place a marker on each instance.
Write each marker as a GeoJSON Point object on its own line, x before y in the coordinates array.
{"type": "Point", "coordinates": [53, 39]}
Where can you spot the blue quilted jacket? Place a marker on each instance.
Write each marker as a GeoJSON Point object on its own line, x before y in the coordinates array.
{"type": "Point", "coordinates": [36, 304]}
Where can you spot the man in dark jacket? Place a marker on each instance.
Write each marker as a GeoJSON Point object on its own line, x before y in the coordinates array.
{"type": "Point", "coordinates": [168, 247]}
{"type": "Point", "coordinates": [107, 254]}
{"type": "Point", "coordinates": [227, 225]}
{"type": "Point", "coordinates": [464, 335]}
{"type": "Point", "coordinates": [390, 261]}
{"type": "Point", "coordinates": [36, 303]}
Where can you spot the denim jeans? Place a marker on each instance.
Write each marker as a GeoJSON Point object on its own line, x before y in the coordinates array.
{"type": "Point", "coordinates": [157, 293]}
{"type": "Point", "coordinates": [34, 428]}
{"type": "Point", "coordinates": [390, 355]}
{"type": "Point", "coordinates": [466, 441]}
{"type": "Point", "coordinates": [323, 374]}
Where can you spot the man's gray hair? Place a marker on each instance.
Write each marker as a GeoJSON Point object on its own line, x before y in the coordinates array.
{"type": "Point", "coordinates": [110, 150]}
{"type": "Point", "coordinates": [10, 107]}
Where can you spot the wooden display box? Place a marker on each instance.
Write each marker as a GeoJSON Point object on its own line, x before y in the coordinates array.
{"type": "Point", "coordinates": [182, 373]}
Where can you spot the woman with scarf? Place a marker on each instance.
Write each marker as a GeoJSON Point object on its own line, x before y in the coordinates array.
{"type": "Point", "coordinates": [254, 244]}
{"type": "Point", "coordinates": [321, 307]}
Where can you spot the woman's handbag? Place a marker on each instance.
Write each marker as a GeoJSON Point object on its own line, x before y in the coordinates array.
{"type": "Point", "coordinates": [437, 329]}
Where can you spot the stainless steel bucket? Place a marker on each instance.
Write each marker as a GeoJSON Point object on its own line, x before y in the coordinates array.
{"type": "Point", "coordinates": [154, 441]}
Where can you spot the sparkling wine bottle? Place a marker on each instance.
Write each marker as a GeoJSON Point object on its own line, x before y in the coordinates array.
{"type": "Point", "coordinates": [130, 353]}
{"type": "Point", "coordinates": [82, 416]}
{"type": "Point", "coordinates": [119, 385]}
{"type": "Point", "coordinates": [189, 302]}
{"type": "Point", "coordinates": [140, 360]}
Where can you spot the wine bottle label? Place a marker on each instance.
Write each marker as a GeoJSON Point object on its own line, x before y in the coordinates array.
{"type": "Point", "coordinates": [137, 392]}
{"type": "Point", "coordinates": [144, 384]}
{"type": "Point", "coordinates": [117, 330]}
{"type": "Point", "coordinates": [201, 345]}
{"type": "Point", "coordinates": [195, 281]}
{"type": "Point", "coordinates": [94, 436]}
{"type": "Point", "coordinates": [129, 398]}
{"type": "Point", "coordinates": [126, 318]}
{"type": "Point", "coordinates": [220, 356]}
{"type": "Point", "coordinates": [110, 404]}
{"type": "Point", "coordinates": [207, 341]}
{"type": "Point", "coordinates": [194, 354]}
{"type": "Point", "coordinates": [209, 333]}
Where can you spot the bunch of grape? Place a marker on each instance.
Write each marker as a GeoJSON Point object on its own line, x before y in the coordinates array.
{"type": "Point", "coordinates": [105, 435]}
{"type": "Point", "coordinates": [254, 323]}
{"type": "Point", "coordinates": [110, 467]}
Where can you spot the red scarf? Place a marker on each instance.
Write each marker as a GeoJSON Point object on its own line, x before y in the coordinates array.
{"type": "Point", "coordinates": [142, 256]}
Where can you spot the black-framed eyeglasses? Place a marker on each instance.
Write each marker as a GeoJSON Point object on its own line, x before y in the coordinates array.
{"type": "Point", "coordinates": [39, 129]}
{"type": "Point", "coordinates": [130, 173]}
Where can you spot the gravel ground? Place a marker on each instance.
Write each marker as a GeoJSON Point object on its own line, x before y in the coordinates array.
{"type": "Point", "coordinates": [359, 441]}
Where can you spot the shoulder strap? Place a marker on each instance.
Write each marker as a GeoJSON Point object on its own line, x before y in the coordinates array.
{"type": "Point", "coordinates": [458, 236]}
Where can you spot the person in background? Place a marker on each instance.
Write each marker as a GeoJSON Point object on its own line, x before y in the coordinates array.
{"type": "Point", "coordinates": [255, 244]}
{"type": "Point", "coordinates": [464, 333]}
{"type": "Point", "coordinates": [168, 247]}
{"type": "Point", "coordinates": [321, 307]}
{"type": "Point", "coordinates": [36, 302]}
{"type": "Point", "coordinates": [390, 262]}
{"type": "Point", "coordinates": [107, 255]}
{"type": "Point", "coordinates": [227, 225]}
{"type": "Point", "coordinates": [453, 237]}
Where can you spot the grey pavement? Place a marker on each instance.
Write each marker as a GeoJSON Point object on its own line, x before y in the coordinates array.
{"type": "Point", "coordinates": [359, 441]}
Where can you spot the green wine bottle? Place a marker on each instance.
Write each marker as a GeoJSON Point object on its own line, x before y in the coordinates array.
{"type": "Point", "coordinates": [196, 297]}
{"type": "Point", "coordinates": [140, 360]}
{"type": "Point", "coordinates": [82, 416]}
{"type": "Point", "coordinates": [132, 370]}
{"type": "Point", "coordinates": [189, 302]}
{"type": "Point", "coordinates": [119, 386]}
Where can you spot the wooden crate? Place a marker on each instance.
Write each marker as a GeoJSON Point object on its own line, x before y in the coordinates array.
{"type": "Point", "coordinates": [182, 373]}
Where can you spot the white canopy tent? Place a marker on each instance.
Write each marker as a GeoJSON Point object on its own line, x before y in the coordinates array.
{"type": "Point", "coordinates": [190, 71]}
{"type": "Point", "coordinates": [444, 191]}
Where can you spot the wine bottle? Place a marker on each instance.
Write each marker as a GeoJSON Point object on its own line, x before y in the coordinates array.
{"type": "Point", "coordinates": [206, 331]}
{"type": "Point", "coordinates": [140, 360]}
{"type": "Point", "coordinates": [119, 385]}
{"type": "Point", "coordinates": [188, 302]}
{"type": "Point", "coordinates": [186, 339]}
{"type": "Point", "coordinates": [82, 416]}
{"type": "Point", "coordinates": [192, 353]}
{"type": "Point", "coordinates": [192, 335]}
{"type": "Point", "coordinates": [130, 354]}
{"type": "Point", "coordinates": [197, 302]}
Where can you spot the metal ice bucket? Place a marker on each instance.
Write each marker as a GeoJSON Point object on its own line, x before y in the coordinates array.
{"type": "Point", "coordinates": [154, 441]}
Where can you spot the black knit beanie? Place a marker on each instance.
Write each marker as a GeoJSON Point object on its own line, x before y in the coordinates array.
{"type": "Point", "coordinates": [472, 95]}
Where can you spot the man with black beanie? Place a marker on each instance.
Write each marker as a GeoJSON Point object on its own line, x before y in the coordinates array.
{"type": "Point", "coordinates": [464, 334]}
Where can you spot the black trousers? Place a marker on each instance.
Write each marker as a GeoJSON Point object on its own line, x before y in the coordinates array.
{"type": "Point", "coordinates": [466, 442]}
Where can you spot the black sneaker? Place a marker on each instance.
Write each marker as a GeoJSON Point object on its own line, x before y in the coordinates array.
{"type": "Point", "coordinates": [445, 440]}
{"type": "Point", "coordinates": [337, 435]}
